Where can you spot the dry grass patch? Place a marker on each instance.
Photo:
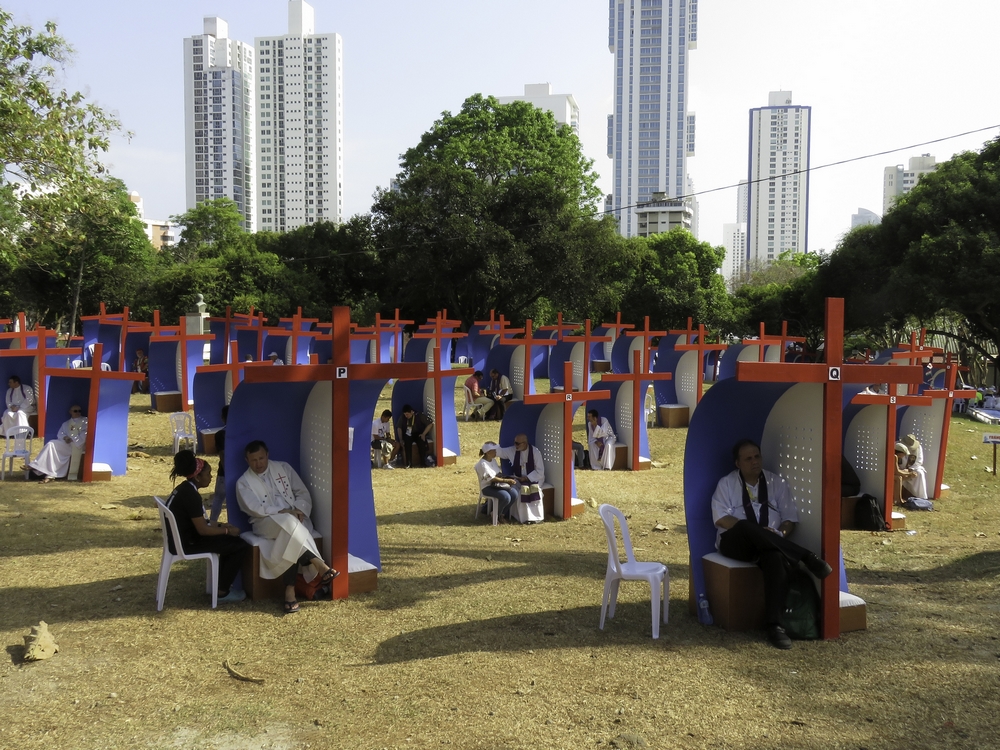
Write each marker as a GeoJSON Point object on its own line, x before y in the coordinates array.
{"type": "Point", "coordinates": [482, 636]}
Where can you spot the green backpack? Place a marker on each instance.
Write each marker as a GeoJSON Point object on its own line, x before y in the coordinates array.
{"type": "Point", "coordinates": [801, 617]}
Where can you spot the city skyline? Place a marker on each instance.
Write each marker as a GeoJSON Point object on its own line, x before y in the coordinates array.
{"type": "Point", "coordinates": [838, 57]}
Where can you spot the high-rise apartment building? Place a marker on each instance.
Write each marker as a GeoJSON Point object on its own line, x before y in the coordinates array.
{"type": "Point", "coordinates": [562, 106]}
{"type": "Point", "coordinates": [734, 240]}
{"type": "Point", "coordinates": [219, 119]}
{"type": "Point", "coordinates": [300, 124]}
{"type": "Point", "coordinates": [899, 181]}
{"type": "Point", "coordinates": [778, 181]}
{"type": "Point", "coordinates": [650, 132]}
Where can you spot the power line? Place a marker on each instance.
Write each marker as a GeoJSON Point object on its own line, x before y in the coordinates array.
{"type": "Point", "coordinates": [690, 195]}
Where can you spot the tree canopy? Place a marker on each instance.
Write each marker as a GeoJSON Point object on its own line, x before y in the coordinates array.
{"type": "Point", "coordinates": [493, 209]}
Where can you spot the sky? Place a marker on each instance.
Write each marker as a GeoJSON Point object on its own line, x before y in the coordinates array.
{"type": "Point", "coordinates": [878, 74]}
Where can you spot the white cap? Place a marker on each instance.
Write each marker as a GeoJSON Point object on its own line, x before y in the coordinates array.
{"type": "Point", "coordinates": [487, 447]}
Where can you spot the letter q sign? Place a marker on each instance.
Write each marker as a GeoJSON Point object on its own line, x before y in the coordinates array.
{"type": "Point", "coordinates": [834, 373]}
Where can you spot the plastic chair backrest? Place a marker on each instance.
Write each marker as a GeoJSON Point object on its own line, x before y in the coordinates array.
{"type": "Point", "coordinates": [608, 515]}
{"type": "Point", "coordinates": [20, 435]}
{"type": "Point", "coordinates": [167, 520]}
{"type": "Point", "coordinates": [181, 423]}
{"type": "Point", "coordinates": [468, 394]}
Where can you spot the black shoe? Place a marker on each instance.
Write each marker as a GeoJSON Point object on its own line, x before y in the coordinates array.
{"type": "Point", "coordinates": [778, 637]}
{"type": "Point", "coordinates": [817, 566]}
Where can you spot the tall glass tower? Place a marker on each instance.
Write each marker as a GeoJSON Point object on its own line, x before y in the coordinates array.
{"type": "Point", "coordinates": [651, 132]}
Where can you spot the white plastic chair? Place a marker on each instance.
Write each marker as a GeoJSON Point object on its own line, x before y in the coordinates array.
{"type": "Point", "coordinates": [656, 574]}
{"type": "Point", "coordinates": [18, 443]}
{"type": "Point", "coordinates": [211, 579]}
{"type": "Point", "coordinates": [492, 506]}
{"type": "Point", "coordinates": [182, 424]}
{"type": "Point", "coordinates": [649, 409]}
{"type": "Point", "coordinates": [471, 407]}
{"type": "Point", "coordinates": [106, 367]}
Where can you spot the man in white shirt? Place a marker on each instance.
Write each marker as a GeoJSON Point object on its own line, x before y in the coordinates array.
{"type": "Point", "coordinates": [20, 403]}
{"type": "Point", "coordinates": [384, 446]}
{"type": "Point", "coordinates": [279, 507]}
{"type": "Point", "coordinates": [529, 470]}
{"type": "Point", "coordinates": [754, 514]}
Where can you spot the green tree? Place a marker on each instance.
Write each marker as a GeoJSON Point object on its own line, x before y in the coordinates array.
{"type": "Point", "coordinates": [74, 260]}
{"type": "Point", "coordinates": [675, 277]}
{"type": "Point", "coordinates": [492, 210]}
{"type": "Point", "coordinates": [210, 228]}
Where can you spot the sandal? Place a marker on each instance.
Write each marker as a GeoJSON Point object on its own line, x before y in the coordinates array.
{"type": "Point", "coordinates": [329, 575]}
{"type": "Point", "coordinates": [291, 607]}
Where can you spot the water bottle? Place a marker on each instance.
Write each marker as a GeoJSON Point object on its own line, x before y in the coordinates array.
{"type": "Point", "coordinates": [704, 614]}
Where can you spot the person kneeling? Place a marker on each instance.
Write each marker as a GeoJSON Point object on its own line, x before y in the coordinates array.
{"type": "Point", "coordinates": [754, 514]}
{"type": "Point", "coordinates": [279, 505]}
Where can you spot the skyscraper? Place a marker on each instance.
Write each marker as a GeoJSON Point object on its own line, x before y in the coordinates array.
{"type": "Point", "coordinates": [562, 106]}
{"type": "Point", "coordinates": [650, 132]}
{"type": "Point", "coordinates": [898, 181]}
{"type": "Point", "coordinates": [300, 124]}
{"type": "Point", "coordinates": [778, 189]}
{"type": "Point", "coordinates": [218, 119]}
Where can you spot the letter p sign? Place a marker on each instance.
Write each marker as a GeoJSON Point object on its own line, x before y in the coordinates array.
{"type": "Point", "coordinates": [341, 373]}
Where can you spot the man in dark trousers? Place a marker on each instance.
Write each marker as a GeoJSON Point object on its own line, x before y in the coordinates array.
{"type": "Point", "coordinates": [755, 514]}
{"type": "Point", "coordinates": [413, 429]}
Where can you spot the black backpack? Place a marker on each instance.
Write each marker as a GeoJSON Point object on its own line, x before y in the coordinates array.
{"type": "Point", "coordinates": [801, 616]}
{"type": "Point", "coordinates": [868, 515]}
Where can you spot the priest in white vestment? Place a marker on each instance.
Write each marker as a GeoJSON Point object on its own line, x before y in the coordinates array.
{"type": "Point", "coordinates": [278, 503]}
{"type": "Point", "coordinates": [20, 403]}
{"type": "Point", "coordinates": [56, 457]}
{"type": "Point", "coordinates": [601, 441]}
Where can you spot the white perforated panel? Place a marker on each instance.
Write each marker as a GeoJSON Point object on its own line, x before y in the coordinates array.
{"type": "Point", "coordinates": [548, 439]}
{"type": "Point", "coordinates": [623, 417]}
{"type": "Point", "coordinates": [315, 450]}
{"type": "Point", "coordinates": [609, 345]}
{"type": "Point", "coordinates": [229, 386]}
{"type": "Point", "coordinates": [577, 358]}
{"type": "Point", "coordinates": [34, 378]}
{"type": "Point", "coordinates": [517, 373]}
{"type": "Point", "coordinates": [636, 345]}
{"type": "Point", "coordinates": [289, 358]}
{"type": "Point", "coordinates": [429, 399]}
{"type": "Point", "coordinates": [686, 380]}
{"type": "Point", "coordinates": [792, 446]}
{"type": "Point", "coordinates": [178, 366]}
{"type": "Point", "coordinates": [927, 423]}
{"type": "Point", "coordinates": [864, 448]}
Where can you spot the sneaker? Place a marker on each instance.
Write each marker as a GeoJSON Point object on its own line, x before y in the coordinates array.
{"type": "Point", "coordinates": [388, 466]}
{"type": "Point", "coordinates": [778, 637]}
{"type": "Point", "coordinates": [817, 566]}
{"type": "Point", "coordinates": [234, 595]}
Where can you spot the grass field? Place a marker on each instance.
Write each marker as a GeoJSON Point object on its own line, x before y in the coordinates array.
{"type": "Point", "coordinates": [486, 637]}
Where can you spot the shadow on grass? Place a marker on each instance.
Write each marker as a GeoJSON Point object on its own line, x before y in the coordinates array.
{"type": "Point", "coordinates": [976, 566]}
{"type": "Point", "coordinates": [535, 631]}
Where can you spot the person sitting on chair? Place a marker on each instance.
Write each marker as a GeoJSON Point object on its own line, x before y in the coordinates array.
{"type": "Point", "coordinates": [383, 444]}
{"type": "Point", "coordinates": [20, 404]}
{"type": "Point", "coordinates": [55, 457]}
{"type": "Point", "coordinates": [528, 469]}
{"type": "Point", "coordinates": [413, 429]}
{"type": "Point", "coordinates": [755, 514]}
{"type": "Point", "coordinates": [902, 476]}
{"type": "Point", "coordinates": [279, 506]}
{"type": "Point", "coordinates": [500, 390]}
{"type": "Point", "coordinates": [196, 533]}
{"type": "Point", "coordinates": [601, 441]}
{"type": "Point", "coordinates": [503, 490]}
{"type": "Point", "coordinates": [275, 359]}
{"type": "Point", "coordinates": [141, 364]}
{"type": "Point", "coordinates": [916, 485]}
{"type": "Point", "coordinates": [478, 396]}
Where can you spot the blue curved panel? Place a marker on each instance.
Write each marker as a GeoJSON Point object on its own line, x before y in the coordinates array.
{"type": "Point", "coordinates": [540, 354]}
{"type": "Point", "coordinates": [111, 438]}
{"type": "Point", "coordinates": [209, 398]}
{"type": "Point", "coordinates": [109, 335]}
{"type": "Point", "coordinates": [499, 359]}
{"type": "Point", "coordinates": [561, 353]}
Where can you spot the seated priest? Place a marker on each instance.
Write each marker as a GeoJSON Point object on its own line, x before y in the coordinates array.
{"type": "Point", "coordinates": [20, 404]}
{"type": "Point", "coordinates": [279, 506]}
{"type": "Point", "coordinates": [57, 457]}
{"type": "Point", "coordinates": [755, 514]}
{"type": "Point", "coordinates": [528, 469]}
{"type": "Point", "coordinates": [499, 389]}
{"type": "Point", "coordinates": [601, 441]}
{"type": "Point", "coordinates": [916, 484]}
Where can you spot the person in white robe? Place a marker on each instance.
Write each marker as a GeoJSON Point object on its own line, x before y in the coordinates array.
{"type": "Point", "coordinates": [528, 469]}
{"type": "Point", "coordinates": [278, 503]}
{"type": "Point", "coordinates": [57, 457]}
{"type": "Point", "coordinates": [20, 404]}
{"type": "Point", "coordinates": [916, 484]}
{"type": "Point", "coordinates": [600, 440]}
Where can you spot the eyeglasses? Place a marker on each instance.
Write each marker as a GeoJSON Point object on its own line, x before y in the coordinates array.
{"type": "Point", "coordinates": [75, 411]}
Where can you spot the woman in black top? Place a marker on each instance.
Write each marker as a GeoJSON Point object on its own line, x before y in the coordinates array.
{"type": "Point", "coordinates": [196, 533]}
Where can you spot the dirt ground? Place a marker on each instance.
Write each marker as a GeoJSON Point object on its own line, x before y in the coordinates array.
{"type": "Point", "coordinates": [486, 637]}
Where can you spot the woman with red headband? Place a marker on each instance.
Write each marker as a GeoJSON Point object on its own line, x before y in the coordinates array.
{"type": "Point", "coordinates": [197, 534]}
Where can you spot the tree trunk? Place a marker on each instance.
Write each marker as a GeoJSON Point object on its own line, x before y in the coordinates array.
{"type": "Point", "coordinates": [76, 299]}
